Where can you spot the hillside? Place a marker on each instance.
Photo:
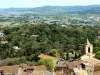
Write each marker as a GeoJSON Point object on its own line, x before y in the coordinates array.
{"type": "Point", "coordinates": [54, 9]}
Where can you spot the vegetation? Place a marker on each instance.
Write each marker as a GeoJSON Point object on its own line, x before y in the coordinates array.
{"type": "Point", "coordinates": [49, 63]}
{"type": "Point", "coordinates": [97, 55]}
{"type": "Point", "coordinates": [54, 53]}
{"type": "Point", "coordinates": [56, 33]}
{"type": "Point", "coordinates": [29, 40]}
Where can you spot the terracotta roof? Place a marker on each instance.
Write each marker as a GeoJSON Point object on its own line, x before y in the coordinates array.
{"type": "Point", "coordinates": [73, 64]}
{"type": "Point", "coordinates": [10, 69]}
{"type": "Point", "coordinates": [43, 56]}
{"type": "Point", "coordinates": [57, 73]}
{"type": "Point", "coordinates": [91, 61]}
{"type": "Point", "coordinates": [28, 73]}
{"type": "Point", "coordinates": [28, 70]}
{"type": "Point", "coordinates": [97, 67]}
{"type": "Point", "coordinates": [28, 67]}
{"type": "Point", "coordinates": [41, 73]}
{"type": "Point", "coordinates": [42, 67]}
{"type": "Point", "coordinates": [97, 73]}
{"type": "Point", "coordinates": [15, 69]}
{"type": "Point", "coordinates": [77, 63]}
{"type": "Point", "coordinates": [36, 74]}
{"type": "Point", "coordinates": [70, 65]}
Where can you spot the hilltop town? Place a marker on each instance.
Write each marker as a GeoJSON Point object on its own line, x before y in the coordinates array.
{"type": "Point", "coordinates": [84, 65]}
{"type": "Point", "coordinates": [50, 40]}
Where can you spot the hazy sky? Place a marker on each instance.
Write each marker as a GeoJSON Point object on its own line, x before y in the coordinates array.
{"type": "Point", "coordinates": [38, 3]}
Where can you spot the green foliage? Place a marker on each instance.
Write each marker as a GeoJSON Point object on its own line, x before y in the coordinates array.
{"type": "Point", "coordinates": [49, 63]}
{"type": "Point", "coordinates": [97, 55]}
{"type": "Point", "coordinates": [10, 61]}
{"type": "Point", "coordinates": [22, 60]}
{"type": "Point", "coordinates": [30, 63]}
{"type": "Point", "coordinates": [52, 39]}
{"type": "Point", "coordinates": [16, 61]}
{"type": "Point", "coordinates": [64, 55]}
{"type": "Point", "coordinates": [96, 43]}
{"type": "Point", "coordinates": [54, 53]}
{"type": "Point", "coordinates": [41, 62]}
{"type": "Point", "coordinates": [96, 49]}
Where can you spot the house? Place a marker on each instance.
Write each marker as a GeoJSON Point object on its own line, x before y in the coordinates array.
{"type": "Point", "coordinates": [71, 65]}
{"type": "Point", "coordinates": [41, 70]}
{"type": "Point", "coordinates": [3, 42]}
{"type": "Point", "coordinates": [42, 73]}
{"type": "Point", "coordinates": [61, 67]}
{"type": "Point", "coordinates": [88, 65]}
{"type": "Point", "coordinates": [9, 70]}
{"type": "Point", "coordinates": [1, 34]}
{"type": "Point", "coordinates": [16, 48]}
{"type": "Point", "coordinates": [22, 70]}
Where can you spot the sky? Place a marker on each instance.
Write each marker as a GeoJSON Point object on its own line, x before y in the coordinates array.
{"type": "Point", "coordinates": [39, 3]}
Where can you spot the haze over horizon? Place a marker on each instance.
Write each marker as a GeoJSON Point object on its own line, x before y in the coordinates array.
{"type": "Point", "coordinates": [39, 3]}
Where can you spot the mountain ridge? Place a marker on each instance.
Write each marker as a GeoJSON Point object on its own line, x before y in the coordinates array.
{"type": "Point", "coordinates": [54, 9]}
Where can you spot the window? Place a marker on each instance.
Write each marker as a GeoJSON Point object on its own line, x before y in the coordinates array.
{"type": "Point", "coordinates": [82, 66]}
{"type": "Point", "coordinates": [88, 49]}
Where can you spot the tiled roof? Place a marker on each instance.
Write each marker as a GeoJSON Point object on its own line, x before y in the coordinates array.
{"type": "Point", "coordinates": [91, 61]}
{"type": "Point", "coordinates": [97, 67]}
{"type": "Point", "coordinates": [73, 64]}
{"type": "Point", "coordinates": [57, 73]}
{"type": "Point", "coordinates": [26, 70]}
{"type": "Point", "coordinates": [97, 73]}
{"type": "Point", "coordinates": [41, 73]}
{"type": "Point", "coordinates": [43, 56]}
{"type": "Point", "coordinates": [10, 69]}
{"type": "Point", "coordinates": [42, 67]}
{"type": "Point", "coordinates": [36, 74]}
{"type": "Point", "coordinates": [30, 69]}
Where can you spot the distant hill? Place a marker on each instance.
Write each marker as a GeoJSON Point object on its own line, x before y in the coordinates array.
{"type": "Point", "coordinates": [92, 9]}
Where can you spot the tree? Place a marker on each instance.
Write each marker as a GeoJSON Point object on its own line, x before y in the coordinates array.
{"type": "Point", "coordinates": [97, 55]}
{"type": "Point", "coordinates": [64, 55]}
{"type": "Point", "coordinates": [96, 43]}
{"type": "Point", "coordinates": [54, 53]}
{"type": "Point", "coordinates": [49, 63]}
{"type": "Point", "coordinates": [96, 49]}
{"type": "Point", "coordinates": [41, 62]}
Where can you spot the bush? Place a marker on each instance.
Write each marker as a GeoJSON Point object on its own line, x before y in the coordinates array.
{"type": "Point", "coordinates": [49, 63]}
{"type": "Point", "coordinates": [96, 49]}
{"type": "Point", "coordinates": [30, 63]}
{"type": "Point", "coordinates": [64, 55]}
{"type": "Point", "coordinates": [97, 55]}
{"type": "Point", "coordinates": [41, 62]}
{"type": "Point", "coordinates": [14, 61]}
{"type": "Point", "coordinates": [54, 53]}
{"type": "Point", "coordinates": [22, 60]}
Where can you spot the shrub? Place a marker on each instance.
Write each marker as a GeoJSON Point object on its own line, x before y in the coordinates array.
{"type": "Point", "coordinates": [49, 63]}
{"type": "Point", "coordinates": [97, 55]}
